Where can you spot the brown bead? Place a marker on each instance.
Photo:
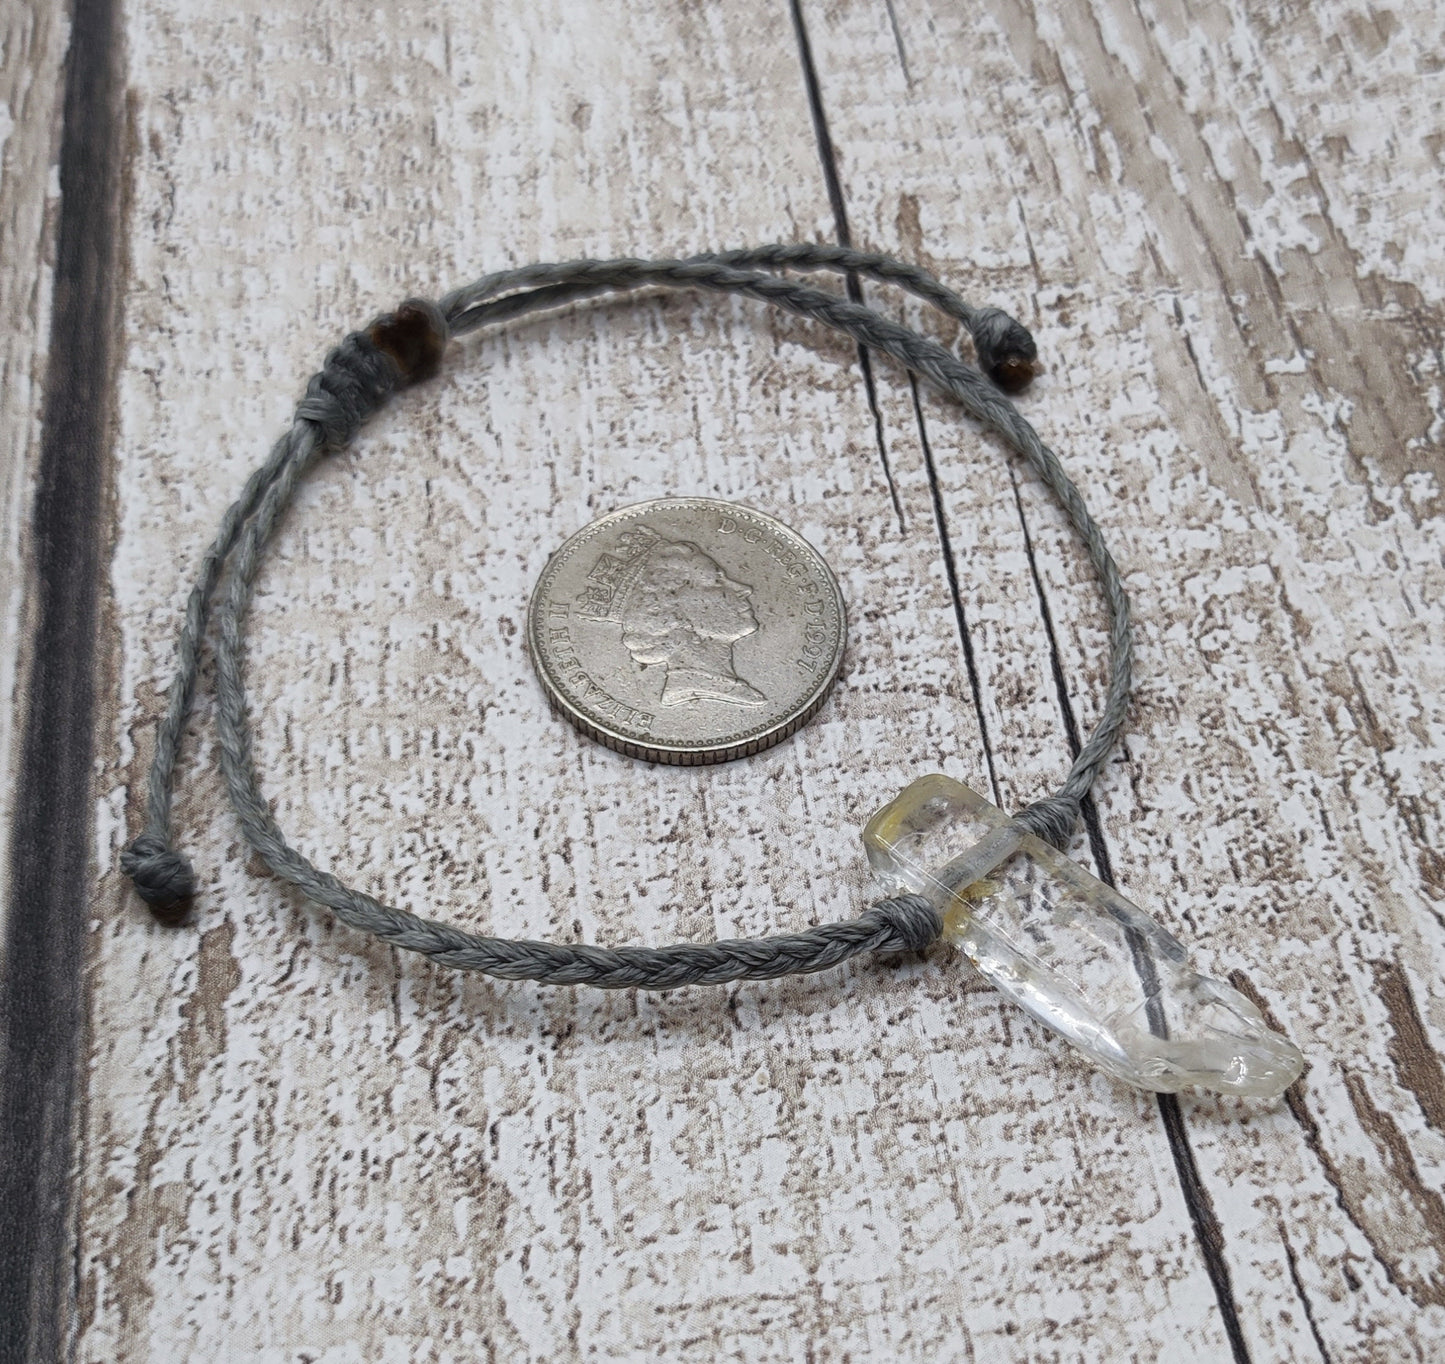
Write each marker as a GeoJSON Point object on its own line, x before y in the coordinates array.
{"type": "Point", "coordinates": [413, 338]}
{"type": "Point", "coordinates": [1013, 373]}
{"type": "Point", "coordinates": [172, 915]}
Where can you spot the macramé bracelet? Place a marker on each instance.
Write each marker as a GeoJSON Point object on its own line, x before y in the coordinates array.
{"type": "Point", "coordinates": [1069, 949]}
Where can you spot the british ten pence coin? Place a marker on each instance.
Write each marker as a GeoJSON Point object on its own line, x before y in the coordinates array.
{"type": "Point", "coordinates": [687, 630]}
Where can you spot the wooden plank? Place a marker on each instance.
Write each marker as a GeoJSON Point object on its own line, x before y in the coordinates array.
{"type": "Point", "coordinates": [1274, 433]}
{"type": "Point", "coordinates": [298, 1143]}
{"type": "Point", "coordinates": [57, 492]}
{"type": "Point", "coordinates": [30, 55]}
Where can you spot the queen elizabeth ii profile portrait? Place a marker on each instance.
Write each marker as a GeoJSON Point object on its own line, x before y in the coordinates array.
{"type": "Point", "coordinates": [679, 611]}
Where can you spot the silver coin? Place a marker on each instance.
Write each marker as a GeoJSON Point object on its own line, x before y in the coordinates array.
{"type": "Point", "coordinates": [687, 630]}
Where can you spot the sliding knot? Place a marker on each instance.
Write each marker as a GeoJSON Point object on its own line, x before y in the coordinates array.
{"type": "Point", "coordinates": [357, 378]}
{"type": "Point", "coordinates": [163, 877]}
{"type": "Point", "coordinates": [414, 336]}
{"type": "Point", "coordinates": [1006, 350]}
{"type": "Point", "coordinates": [1052, 819]}
{"type": "Point", "coordinates": [914, 921]}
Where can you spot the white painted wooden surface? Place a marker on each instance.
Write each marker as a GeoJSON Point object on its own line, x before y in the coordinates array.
{"type": "Point", "coordinates": [298, 1146]}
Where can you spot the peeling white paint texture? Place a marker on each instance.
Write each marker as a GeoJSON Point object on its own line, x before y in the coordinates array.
{"type": "Point", "coordinates": [298, 1145]}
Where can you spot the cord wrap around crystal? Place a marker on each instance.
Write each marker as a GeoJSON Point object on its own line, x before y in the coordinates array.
{"type": "Point", "coordinates": [405, 346]}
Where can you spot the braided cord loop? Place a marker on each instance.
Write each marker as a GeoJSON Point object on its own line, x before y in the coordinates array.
{"type": "Point", "coordinates": [406, 346]}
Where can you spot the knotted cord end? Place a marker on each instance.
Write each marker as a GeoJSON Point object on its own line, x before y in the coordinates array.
{"type": "Point", "coordinates": [163, 878]}
{"type": "Point", "coordinates": [915, 922]}
{"type": "Point", "coordinates": [398, 349]}
{"type": "Point", "coordinates": [1052, 819]}
{"type": "Point", "coordinates": [1006, 349]}
{"type": "Point", "coordinates": [355, 381]}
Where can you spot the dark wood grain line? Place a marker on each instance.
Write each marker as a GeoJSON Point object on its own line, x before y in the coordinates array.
{"type": "Point", "coordinates": [1207, 1228]}
{"type": "Point", "coordinates": [1426, 1288]}
{"type": "Point", "coordinates": [1089, 811]}
{"type": "Point", "coordinates": [844, 235]}
{"type": "Point", "coordinates": [838, 202]}
{"type": "Point", "coordinates": [898, 42]}
{"type": "Point", "coordinates": [51, 878]}
{"type": "Point", "coordinates": [1299, 1289]}
{"type": "Point", "coordinates": [1416, 1061]}
{"type": "Point", "coordinates": [1205, 1221]}
{"type": "Point", "coordinates": [1348, 1196]}
{"type": "Point", "coordinates": [1208, 1231]}
{"type": "Point", "coordinates": [950, 569]}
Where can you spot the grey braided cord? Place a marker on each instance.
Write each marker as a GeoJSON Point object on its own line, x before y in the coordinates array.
{"type": "Point", "coordinates": [403, 347]}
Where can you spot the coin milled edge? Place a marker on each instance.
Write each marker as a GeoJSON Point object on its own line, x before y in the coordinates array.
{"type": "Point", "coordinates": [698, 755]}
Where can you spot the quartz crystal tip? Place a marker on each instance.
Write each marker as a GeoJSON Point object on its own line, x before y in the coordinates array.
{"type": "Point", "coordinates": [1072, 951]}
{"type": "Point", "coordinates": [1213, 1038]}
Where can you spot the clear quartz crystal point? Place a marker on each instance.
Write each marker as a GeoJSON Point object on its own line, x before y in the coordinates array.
{"type": "Point", "coordinates": [1072, 951]}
